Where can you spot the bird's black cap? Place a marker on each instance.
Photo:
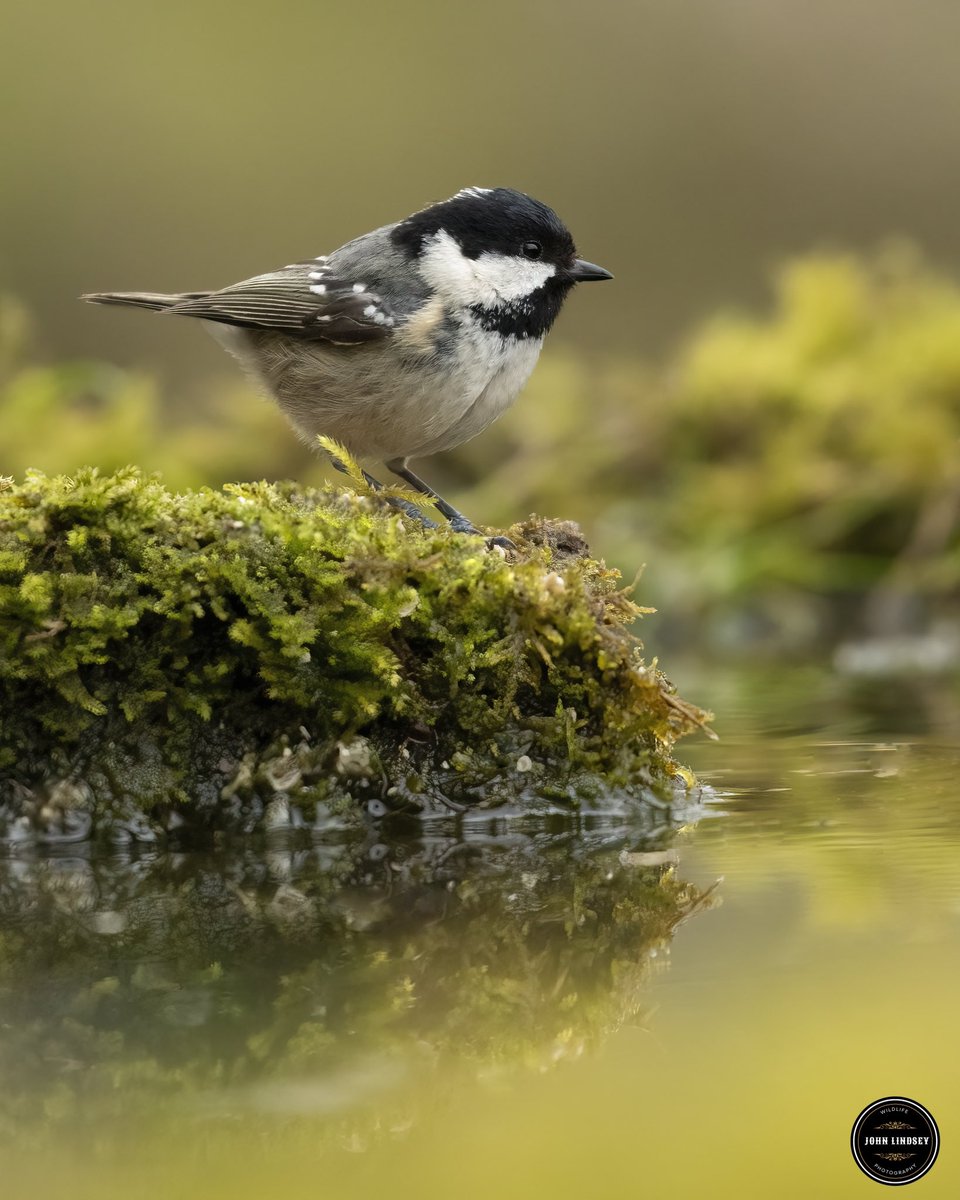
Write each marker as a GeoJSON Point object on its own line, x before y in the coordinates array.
{"type": "Point", "coordinates": [489, 219]}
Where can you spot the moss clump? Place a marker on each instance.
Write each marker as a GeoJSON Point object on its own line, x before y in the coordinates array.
{"type": "Point", "coordinates": [266, 655]}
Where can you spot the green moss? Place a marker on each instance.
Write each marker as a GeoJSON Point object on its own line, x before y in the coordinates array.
{"type": "Point", "coordinates": [214, 652]}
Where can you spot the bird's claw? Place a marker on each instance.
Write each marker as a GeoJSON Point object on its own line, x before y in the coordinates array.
{"type": "Point", "coordinates": [411, 510]}
{"type": "Point", "coordinates": [462, 525]}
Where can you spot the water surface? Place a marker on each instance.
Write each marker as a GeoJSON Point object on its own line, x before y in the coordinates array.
{"type": "Point", "coordinates": [514, 1009]}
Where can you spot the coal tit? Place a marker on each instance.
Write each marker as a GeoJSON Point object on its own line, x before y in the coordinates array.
{"type": "Point", "coordinates": [408, 340]}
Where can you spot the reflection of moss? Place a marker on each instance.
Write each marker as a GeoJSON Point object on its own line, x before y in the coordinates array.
{"type": "Point", "coordinates": [214, 652]}
{"type": "Point", "coordinates": [131, 986]}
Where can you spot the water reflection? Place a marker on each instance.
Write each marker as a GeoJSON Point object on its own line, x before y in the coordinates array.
{"type": "Point", "coordinates": [239, 1024]}
{"type": "Point", "coordinates": [318, 981]}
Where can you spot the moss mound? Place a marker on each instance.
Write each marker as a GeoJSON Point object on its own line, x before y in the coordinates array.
{"type": "Point", "coordinates": [264, 655]}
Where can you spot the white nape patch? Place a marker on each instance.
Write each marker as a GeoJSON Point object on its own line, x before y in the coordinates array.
{"type": "Point", "coordinates": [318, 289]}
{"type": "Point", "coordinates": [490, 280]}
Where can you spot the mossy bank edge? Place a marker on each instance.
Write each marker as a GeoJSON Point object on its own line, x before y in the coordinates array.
{"type": "Point", "coordinates": [264, 657]}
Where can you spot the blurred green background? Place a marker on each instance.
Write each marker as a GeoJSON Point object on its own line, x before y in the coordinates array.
{"type": "Point", "coordinates": [793, 478]}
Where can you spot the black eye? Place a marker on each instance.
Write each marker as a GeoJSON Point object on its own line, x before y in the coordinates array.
{"type": "Point", "coordinates": [531, 249]}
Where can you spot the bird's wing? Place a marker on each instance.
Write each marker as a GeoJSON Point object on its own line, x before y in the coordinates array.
{"type": "Point", "coordinates": [308, 300]}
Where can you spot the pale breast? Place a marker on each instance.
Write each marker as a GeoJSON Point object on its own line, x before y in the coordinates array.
{"type": "Point", "coordinates": [396, 399]}
{"type": "Point", "coordinates": [508, 365]}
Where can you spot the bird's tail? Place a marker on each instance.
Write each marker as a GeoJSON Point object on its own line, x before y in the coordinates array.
{"type": "Point", "coordinates": [157, 301]}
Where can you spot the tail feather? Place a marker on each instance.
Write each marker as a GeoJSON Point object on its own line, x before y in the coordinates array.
{"type": "Point", "coordinates": [157, 301]}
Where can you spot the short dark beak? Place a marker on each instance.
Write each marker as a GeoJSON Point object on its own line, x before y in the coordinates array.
{"type": "Point", "coordinates": [582, 271]}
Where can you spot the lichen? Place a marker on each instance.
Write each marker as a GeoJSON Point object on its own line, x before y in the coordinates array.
{"type": "Point", "coordinates": [266, 655]}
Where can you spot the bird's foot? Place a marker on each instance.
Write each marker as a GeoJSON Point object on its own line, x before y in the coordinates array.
{"type": "Point", "coordinates": [411, 510]}
{"type": "Point", "coordinates": [460, 524]}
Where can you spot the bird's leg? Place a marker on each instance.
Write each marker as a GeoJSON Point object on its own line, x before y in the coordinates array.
{"type": "Point", "coordinates": [404, 506]}
{"type": "Point", "coordinates": [458, 522]}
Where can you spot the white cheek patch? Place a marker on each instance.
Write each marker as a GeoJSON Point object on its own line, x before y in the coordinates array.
{"type": "Point", "coordinates": [490, 280]}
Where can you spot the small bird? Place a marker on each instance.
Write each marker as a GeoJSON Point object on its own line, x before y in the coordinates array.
{"type": "Point", "coordinates": [406, 341]}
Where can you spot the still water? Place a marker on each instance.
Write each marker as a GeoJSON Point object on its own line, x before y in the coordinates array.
{"type": "Point", "coordinates": [684, 1004]}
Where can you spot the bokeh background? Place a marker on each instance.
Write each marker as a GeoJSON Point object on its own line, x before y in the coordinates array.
{"type": "Point", "coordinates": [789, 478]}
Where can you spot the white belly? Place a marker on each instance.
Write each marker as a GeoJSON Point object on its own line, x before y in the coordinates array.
{"type": "Point", "coordinates": [487, 383]}
{"type": "Point", "coordinates": [379, 404]}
